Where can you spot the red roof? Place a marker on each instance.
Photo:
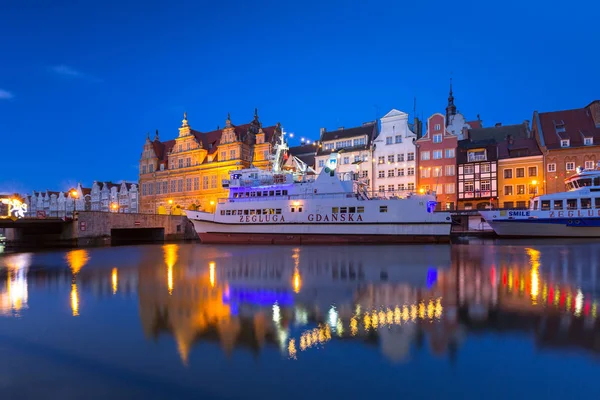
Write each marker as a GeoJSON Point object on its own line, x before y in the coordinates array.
{"type": "Point", "coordinates": [475, 124]}
{"type": "Point", "coordinates": [577, 124]}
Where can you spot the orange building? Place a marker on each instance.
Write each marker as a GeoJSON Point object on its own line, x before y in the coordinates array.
{"type": "Point", "coordinates": [187, 172]}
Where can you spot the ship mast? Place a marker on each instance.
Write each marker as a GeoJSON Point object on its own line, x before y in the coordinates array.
{"type": "Point", "coordinates": [280, 148]}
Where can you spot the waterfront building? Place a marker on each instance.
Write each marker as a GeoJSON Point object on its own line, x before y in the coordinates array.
{"type": "Point", "coordinates": [115, 197]}
{"type": "Point", "coordinates": [305, 153]}
{"type": "Point", "coordinates": [353, 148]}
{"type": "Point", "coordinates": [393, 157]}
{"type": "Point", "coordinates": [568, 139]}
{"type": "Point", "coordinates": [187, 172]}
{"type": "Point", "coordinates": [520, 171]}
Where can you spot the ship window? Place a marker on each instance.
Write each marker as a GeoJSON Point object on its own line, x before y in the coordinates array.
{"type": "Point", "coordinates": [293, 209]}
{"type": "Point", "coordinates": [278, 211]}
{"type": "Point", "coordinates": [252, 212]}
{"type": "Point", "coordinates": [571, 204]}
{"type": "Point", "coordinates": [597, 202]}
{"type": "Point", "coordinates": [285, 192]}
{"type": "Point", "coordinates": [545, 205]}
{"type": "Point", "coordinates": [265, 193]}
{"type": "Point", "coordinates": [351, 210]}
{"type": "Point", "coordinates": [278, 193]}
{"type": "Point", "coordinates": [267, 211]}
{"type": "Point", "coordinates": [258, 194]}
{"type": "Point", "coordinates": [258, 212]}
{"type": "Point", "coordinates": [585, 182]}
{"type": "Point", "coordinates": [246, 212]}
{"type": "Point", "coordinates": [535, 205]}
{"type": "Point", "coordinates": [252, 194]}
{"type": "Point", "coordinates": [222, 212]}
{"type": "Point", "coordinates": [335, 210]}
{"type": "Point", "coordinates": [228, 212]}
{"type": "Point", "coordinates": [558, 204]}
{"type": "Point", "coordinates": [361, 209]}
{"type": "Point", "coordinates": [586, 203]}
{"type": "Point", "coordinates": [597, 181]}
{"type": "Point", "coordinates": [299, 209]}
{"type": "Point", "coordinates": [343, 210]}
{"type": "Point", "coordinates": [272, 193]}
{"type": "Point", "coordinates": [382, 209]}
{"type": "Point", "coordinates": [239, 212]}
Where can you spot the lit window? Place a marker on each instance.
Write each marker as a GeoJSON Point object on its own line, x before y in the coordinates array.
{"type": "Point", "coordinates": [570, 166]}
{"type": "Point", "coordinates": [383, 209]}
{"type": "Point", "coordinates": [588, 141]}
{"type": "Point", "coordinates": [552, 167]}
{"type": "Point", "coordinates": [564, 143]}
{"type": "Point", "coordinates": [425, 155]}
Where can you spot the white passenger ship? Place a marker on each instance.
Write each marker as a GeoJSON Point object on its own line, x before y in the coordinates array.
{"type": "Point", "coordinates": [282, 207]}
{"type": "Point", "coordinates": [574, 213]}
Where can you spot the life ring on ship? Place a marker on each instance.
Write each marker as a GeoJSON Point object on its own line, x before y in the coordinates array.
{"type": "Point", "coordinates": [577, 222]}
{"type": "Point", "coordinates": [570, 222]}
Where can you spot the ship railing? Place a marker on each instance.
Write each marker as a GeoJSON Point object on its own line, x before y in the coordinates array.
{"type": "Point", "coordinates": [363, 196]}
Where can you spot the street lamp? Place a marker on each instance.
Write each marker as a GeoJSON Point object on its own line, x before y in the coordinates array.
{"type": "Point", "coordinates": [74, 195]}
{"type": "Point", "coordinates": [114, 206]}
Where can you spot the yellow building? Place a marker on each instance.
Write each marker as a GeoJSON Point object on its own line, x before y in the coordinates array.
{"type": "Point", "coordinates": [520, 172]}
{"type": "Point", "coordinates": [187, 172]}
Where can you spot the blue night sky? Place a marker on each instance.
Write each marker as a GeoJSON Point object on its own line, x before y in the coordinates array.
{"type": "Point", "coordinates": [82, 82]}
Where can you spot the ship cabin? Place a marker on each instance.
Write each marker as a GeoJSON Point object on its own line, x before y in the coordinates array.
{"type": "Point", "coordinates": [582, 193]}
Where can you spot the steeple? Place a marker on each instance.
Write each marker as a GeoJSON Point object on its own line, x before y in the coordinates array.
{"type": "Point", "coordinates": [147, 137]}
{"type": "Point", "coordinates": [228, 122]}
{"type": "Point", "coordinates": [184, 121]}
{"type": "Point", "coordinates": [184, 130]}
{"type": "Point", "coordinates": [451, 108]}
{"type": "Point", "coordinates": [156, 138]}
{"type": "Point", "coordinates": [256, 114]}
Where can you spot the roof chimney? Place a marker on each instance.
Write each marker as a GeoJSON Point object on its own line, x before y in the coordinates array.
{"type": "Point", "coordinates": [498, 124]}
{"type": "Point", "coordinates": [322, 132]}
{"type": "Point", "coordinates": [509, 139]}
{"type": "Point", "coordinates": [341, 128]}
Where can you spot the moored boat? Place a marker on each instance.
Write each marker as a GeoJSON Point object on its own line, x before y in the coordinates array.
{"type": "Point", "coordinates": [572, 213]}
{"type": "Point", "coordinates": [278, 206]}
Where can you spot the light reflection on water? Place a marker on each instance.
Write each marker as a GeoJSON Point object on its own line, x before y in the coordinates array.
{"type": "Point", "coordinates": [387, 306]}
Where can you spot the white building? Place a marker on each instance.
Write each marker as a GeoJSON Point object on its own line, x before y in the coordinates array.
{"type": "Point", "coordinates": [394, 156]}
{"type": "Point", "coordinates": [353, 149]}
{"type": "Point", "coordinates": [108, 196]}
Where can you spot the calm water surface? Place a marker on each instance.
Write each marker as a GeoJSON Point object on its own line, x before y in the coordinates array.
{"type": "Point", "coordinates": [494, 320]}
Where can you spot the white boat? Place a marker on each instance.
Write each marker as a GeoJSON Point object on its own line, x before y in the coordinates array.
{"type": "Point", "coordinates": [573, 213]}
{"type": "Point", "coordinates": [279, 206]}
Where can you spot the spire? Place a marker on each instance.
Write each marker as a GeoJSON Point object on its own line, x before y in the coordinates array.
{"type": "Point", "coordinates": [147, 136]}
{"type": "Point", "coordinates": [184, 121]}
{"type": "Point", "coordinates": [451, 108]}
{"type": "Point", "coordinates": [156, 138]}
{"type": "Point", "coordinates": [228, 122]}
{"type": "Point", "coordinates": [256, 114]}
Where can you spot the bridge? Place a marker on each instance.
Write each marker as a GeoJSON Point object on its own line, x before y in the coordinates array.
{"type": "Point", "coordinates": [93, 228]}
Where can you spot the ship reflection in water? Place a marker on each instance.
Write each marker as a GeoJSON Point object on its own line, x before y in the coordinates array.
{"type": "Point", "coordinates": [351, 313]}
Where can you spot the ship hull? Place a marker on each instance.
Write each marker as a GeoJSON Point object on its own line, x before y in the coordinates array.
{"type": "Point", "coordinates": [365, 233]}
{"type": "Point", "coordinates": [518, 228]}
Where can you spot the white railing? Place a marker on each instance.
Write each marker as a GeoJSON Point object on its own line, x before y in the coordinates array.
{"type": "Point", "coordinates": [368, 196]}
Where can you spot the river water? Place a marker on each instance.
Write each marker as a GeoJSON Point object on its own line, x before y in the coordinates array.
{"type": "Point", "coordinates": [479, 319]}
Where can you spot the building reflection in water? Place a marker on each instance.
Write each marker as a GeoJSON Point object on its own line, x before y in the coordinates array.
{"type": "Point", "coordinates": [76, 259]}
{"type": "Point", "coordinates": [14, 292]}
{"type": "Point", "coordinates": [302, 299]}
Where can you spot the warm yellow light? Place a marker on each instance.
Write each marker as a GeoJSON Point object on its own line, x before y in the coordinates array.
{"type": "Point", "coordinates": [77, 260]}
{"type": "Point", "coordinates": [534, 182]}
{"type": "Point", "coordinates": [212, 203]}
{"type": "Point", "coordinates": [74, 193]}
{"type": "Point", "coordinates": [170, 256]}
{"type": "Point", "coordinates": [113, 206]}
{"type": "Point", "coordinates": [74, 300]}
{"type": "Point", "coordinates": [170, 201]}
{"type": "Point", "coordinates": [422, 190]}
{"type": "Point", "coordinates": [292, 348]}
{"type": "Point", "coordinates": [211, 268]}
{"type": "Point", "coordinates": [296, 203]}
{"type": "Point", "coordinates": [353, 326]}
{"type": "Point", "coordinates": [115, 280]}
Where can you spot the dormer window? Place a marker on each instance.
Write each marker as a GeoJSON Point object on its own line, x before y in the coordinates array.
{"type": "Point", "coordinates": [565, 143]}
{"type": "Point", "coordinates": [559, 126]}
{"type": "Point", "coordinates": [588, 141]}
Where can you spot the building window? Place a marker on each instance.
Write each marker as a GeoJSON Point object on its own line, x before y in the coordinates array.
{"type": "Point", "coordinates": [400, 157]}
{"type": "Point", "coordinates": [509, 204]}
{"type": "Point", "coordinates": [437, 127]}
{"type": "Point", "coordinates": [346, 160]}
{"type": "Point", "coordinates": [485, 185]}
{"type": "Point", "coordinates": [364, 174]}
{"type": "Point", "coordinates": [390, 173]}
{"type": "Point", "coordinates": [381, 160]}
{"type": "Point", "coordinates": [476, 155]}
{"type": "Point", "coordinates": [449, 153]}
{"type": "Point", "coordinates": [469, 169]}
{"type": "Point", "coordinates": [437, 172]}
{"type": "Point", "coordinates": [398, 139]}
{"type": "Point", "coordinates": [401, 186]}
{"type": "Point", "coordinates": [196, 183]}
{"type": "Point", "coordinates": [485, 168]}
{"type": "Point", "coordinates": [520, 172]}
{"type": "Point", "coordinates": [356, 159]}
{"type": "Point", "coordinates": [437, 138]}
{"type": "Point", "coordinates": [205, 182]}
{"type": "Point", "coordinates": [450, 188]}
{"type": "Point", "coordinates": [150, 167]}
{"type": "Point", "coordinates": [469, 186]}
{"type": "Point", "coordinates": [180, 185]}
{"type": "Point", "coordinates": [150, 188]}
{"type": "Point", "coordinates": [411, 186]}
{"type": "Point", "coordinates": [143, 169]}
{"type": "Point", "coordinates": [381, 174]}
{"type": "Point", "coordinates": [180, 163]}
{"type": "Point", "coordinates": [381, 188]}
{"type": "Point", "coordinates": [359, 142]}
{"type": "Point", "coordinates": [437, 154]}
{"type": "Point", "coordinates": [388, 140]}
{"type": "Point", "coordinates": [588, 141]}
{"type": "Point", "coordinates": [508, 173]}
{"type": "Point", "coordinates": [400, 171]}
{"type": "Point", "coordinates": [520, 189]}
{"type": "Point", "coordinates": [391, 159]}
{"type": "Point", "coordinates": [521, 204]}
{"type": "Point", "coordinates": [410, 171]}
{"type": "Point", "coordinates": [321, 163]}
{"type": "Point", "coordinates": [564, 143]}
{"type": "Point", "coordinates": [589, 165]}
{"type": "Point", "coordinates": [158, 188]}
{"type": "Point", "coordinates": [144, 189]}
{"type": "Point", "coordinates": [165, 187]}
{"type": "Point", "coordinates": [532, 171]}
{"type": "Point", "coordinates": [173, 186]}
{"type": "Point", "coordinates": [188, 184]}
{"type": "Point", "coordinates": [552, 167]}
{"type": "Point", "coordinates": [570, 166]}
{"type": "Point", "coordinates": [508, 190]}
{"type": "Point", "coordinates": [223, 156]}
{"type": "Point", "coordinates": [213, 181]}
{"type": "Point", "coordinates": [425, 173]}
{"type": "Point", "coordinates": [450, 170]}
{"type": "Point", "coordinates": [533, 189]}
{"type": "Point", "coordinates": [391, 188]}
{"type": "Point", "coordinates": [410, 157]}
{"type": "Point", "coordinates": [232, 154]}
{"type": "Point", "coordinates": [188, 146]}
{"type": "Point", "coordinates": [425, 155]}
{"type": "Point", "coordinates": [188, 162]}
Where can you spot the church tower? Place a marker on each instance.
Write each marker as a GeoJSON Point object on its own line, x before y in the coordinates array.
{"type": "Point", "coordinates": [451, 108]}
